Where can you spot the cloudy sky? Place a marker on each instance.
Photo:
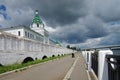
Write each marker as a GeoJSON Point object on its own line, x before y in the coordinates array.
{"type": "Point", "coordinates": [85, 23]}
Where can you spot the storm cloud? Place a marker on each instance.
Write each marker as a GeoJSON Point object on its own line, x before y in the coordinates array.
{"type": "Point", "coordinates": [73, 21]}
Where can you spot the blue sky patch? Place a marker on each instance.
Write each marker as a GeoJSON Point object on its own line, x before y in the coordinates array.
{"type": "Point", "coordinates": [114, 22]}
{"type": "Point", "coordinates": [6, 17]}
{"type": "Point", "coordinates": [3, 12]}
{"type": "Point", "coordinates": [0, 25]}
{"type": "Point", "coordinates": [2, 7]}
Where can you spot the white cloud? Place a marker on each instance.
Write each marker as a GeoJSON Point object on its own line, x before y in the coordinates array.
{"type": "Point", "coordinates": [50, 29]}
{"type": "Point", "coordinates": [90, 43]}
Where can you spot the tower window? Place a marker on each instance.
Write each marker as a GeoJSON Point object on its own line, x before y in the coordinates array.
{"type": "Point", "coordinates": [28, 34]}
{"type": "Point", "coordinates": [18, 33]}
{"type": "Point", "coordinates": [37, 25]}
{"type": "Point", "coordinates": [25, 34]}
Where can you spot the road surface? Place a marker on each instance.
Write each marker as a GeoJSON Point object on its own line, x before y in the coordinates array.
{"type": "Point", "coordinates": [66, 68]}
{"type": "Point", "coordinates": [53, 70]}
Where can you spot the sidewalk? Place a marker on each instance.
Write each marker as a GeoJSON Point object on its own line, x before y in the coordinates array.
{"type": "Point", "coordinates": [79, 72]}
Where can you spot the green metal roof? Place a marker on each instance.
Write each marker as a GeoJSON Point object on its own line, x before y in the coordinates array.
{"type": "Point", "coordinates": [37, 19]}
{"type": "Point", "coordinates": [55, 41]}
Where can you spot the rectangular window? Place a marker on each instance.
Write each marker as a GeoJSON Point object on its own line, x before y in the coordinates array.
{"type": "Point", "coordinates": [18, 33]}
{"type": "Point", "coordinates": [25, 34]}
{"type": "Point", "coordinates": [28, 34]}
{"type": "Point", "coordinates": [31, 36]}
{"type": "Point", "coordinates": [37, 25]}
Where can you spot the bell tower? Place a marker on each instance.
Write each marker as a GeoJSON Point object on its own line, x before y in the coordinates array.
{"type": "Point", "coordinates": [37, 24]}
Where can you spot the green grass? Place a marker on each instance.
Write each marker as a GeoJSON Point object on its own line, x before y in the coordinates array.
{"type": "Point", "coordinates": [7, 68]}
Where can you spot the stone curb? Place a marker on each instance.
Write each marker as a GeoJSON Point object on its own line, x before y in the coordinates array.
{"type": "Point", "coordinates": [93, 73]}
{"type": "Point", "coordinates": [89, 78]}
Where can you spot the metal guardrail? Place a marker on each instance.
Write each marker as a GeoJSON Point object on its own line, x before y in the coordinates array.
{"type": "Point", "coordinates": [113, 67]}
{"type": "Point", "coordinates": [113, 61]}
{"type": "Point", "coordinates": [94, 58]}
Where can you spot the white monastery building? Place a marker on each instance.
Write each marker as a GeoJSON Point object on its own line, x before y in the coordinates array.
{"type": "Point", "coordinates": [21, 43]}
{"type": "Point", "coordinates": [36, 31]}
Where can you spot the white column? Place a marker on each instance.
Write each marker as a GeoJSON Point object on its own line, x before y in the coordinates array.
{"type": "Point", "coordinates": [103, 65]}
{"type": "Point", "coordinates": [2, 42]}
{"type": "Point", "coordinates": [89, 61]}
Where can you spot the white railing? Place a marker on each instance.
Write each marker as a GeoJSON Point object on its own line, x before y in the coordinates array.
{"type": "Point", "coordinates": [102, 63]}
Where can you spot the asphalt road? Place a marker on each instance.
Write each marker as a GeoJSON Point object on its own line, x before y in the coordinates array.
{"type": "Point", "coordinates": [53, 70]}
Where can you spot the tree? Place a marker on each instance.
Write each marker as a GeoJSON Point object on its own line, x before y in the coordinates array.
{"type": "Point", "coordinates": [73, 48]}
{"type": "Point", "coordinates": [68, 46]}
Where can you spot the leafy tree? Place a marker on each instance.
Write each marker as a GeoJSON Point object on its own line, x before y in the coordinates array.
{"type": "Point", "coordinates": [73, 48]}
{"type": "Point", "coordinates": [68, 46]}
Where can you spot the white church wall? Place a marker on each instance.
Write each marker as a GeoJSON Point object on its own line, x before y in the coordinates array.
{"type": "Point", "coordinates": [14, 49]}
{"type": "Point", "coordinates": [40, 30]}
{"type": "Point", "coordinates": [35, 36]}
{"type": "Point", "coordinates": [15, 32]}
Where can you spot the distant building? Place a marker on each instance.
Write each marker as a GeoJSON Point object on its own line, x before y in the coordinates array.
{"type": "Point", "coordinates": [36, 31]}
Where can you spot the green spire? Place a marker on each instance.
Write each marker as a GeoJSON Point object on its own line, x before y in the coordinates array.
{"type": "Point", "coordinates": [37, 19]}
